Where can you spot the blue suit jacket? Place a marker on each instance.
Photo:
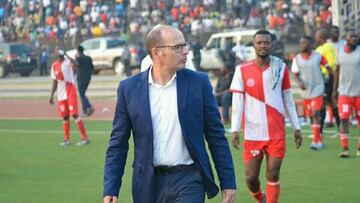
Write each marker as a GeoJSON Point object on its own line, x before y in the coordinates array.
{"type": "Point", "coordinates": [199, 118]}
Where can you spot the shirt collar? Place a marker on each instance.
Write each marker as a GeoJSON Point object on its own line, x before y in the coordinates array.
{"type": "Point", "coordinates": [151, 81]}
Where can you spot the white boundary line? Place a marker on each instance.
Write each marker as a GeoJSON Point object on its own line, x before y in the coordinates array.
{"type": "Point", "coordinates": [3, 131]}
{"type": "Point", "coordinates": [107, 133]}
{"type": "Point", "coordinates": [54, 118]}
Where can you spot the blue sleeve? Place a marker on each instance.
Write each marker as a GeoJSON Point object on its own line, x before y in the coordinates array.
{"type": "Point", "coordinates": [118, 146]}
{"type": "Point", "coordinates": [217, 142]}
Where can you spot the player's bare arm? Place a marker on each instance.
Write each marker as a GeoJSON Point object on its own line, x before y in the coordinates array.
{"type": "Point", "coordinates": [330, 70]}
{"type": "Point", "coordinates": [299, 81]}
{"type": "Point", "coordinates": [335, 93]}
{"type": "Point", "coordinates": [235, 139]}
{"type": "Point", "coordinates": [74, 64]}
{"type": "Point", "coordinates": [291, 110]}
{"type": "Point", "coordinates": [53, 89]}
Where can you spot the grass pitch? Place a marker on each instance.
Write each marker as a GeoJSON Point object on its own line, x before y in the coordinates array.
{"type": "Point", "coordinates": [33, 168]}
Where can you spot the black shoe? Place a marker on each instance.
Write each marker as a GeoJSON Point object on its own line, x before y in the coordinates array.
{"type": "Point", "coordinates": [90, 111]}
{"type": "Point", "coordinates": [329, 125]}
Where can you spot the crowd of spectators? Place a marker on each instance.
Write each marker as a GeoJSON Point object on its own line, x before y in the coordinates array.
{"type": "Point", "coordinates": [67, 22]}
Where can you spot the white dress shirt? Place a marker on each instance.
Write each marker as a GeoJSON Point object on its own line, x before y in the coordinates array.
{"type": "Point", "coordinates": [169, 145]}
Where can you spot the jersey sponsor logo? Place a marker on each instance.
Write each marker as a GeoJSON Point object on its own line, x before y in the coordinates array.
{"type": "Point", "coordinates": [62, 108]}
{"type": "Point", "coordinates": [254, 152]}
{"type": "Point", "coordinates": [313, 103]}
{"type": "Point", "coordinates": [345, 108]}
{"type": "Point", "coordinates": [250, 82]}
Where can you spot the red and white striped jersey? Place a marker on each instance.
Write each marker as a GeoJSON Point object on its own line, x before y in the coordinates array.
{"type": "Point", "coordinates": [64, 74]}
{"type": "Point", "coordinates": [264, 110]}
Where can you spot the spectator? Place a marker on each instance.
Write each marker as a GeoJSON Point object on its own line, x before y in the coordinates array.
{"type": "Point", "coordinates": [335, 39]}
{"type": "Point", "coordinates": [44, 57]}
{"type": "Point", "coordinates": [239, 51]}
{"type": "Point", "coordinates": [126, 58]}
{"type": "Point", "coordinates": [85, 67]}
{"type": "Point", "coordinates": [228, 55]}
{"type": "Point", "coordinates": [194, 18]}
{"type": "Point", "coordinates": [196, 47]}
{"type": "Point", "coordinates": [222, 93]}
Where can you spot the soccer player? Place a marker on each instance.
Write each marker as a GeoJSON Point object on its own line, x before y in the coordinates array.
{"type": "Point", "coordinates": [307, 71]}
{"type": "Point", "coordinates": [335, 39]}
{"type": "Point", "coordinates": [262, 96]}
{"type": "Point", "coordinates": [63, 81]}
{"type": "Point", "coordinates": [347, 87]}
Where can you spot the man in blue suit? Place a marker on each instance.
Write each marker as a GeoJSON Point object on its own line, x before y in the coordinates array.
{"type": "Point", "coordinates": [169, 110]}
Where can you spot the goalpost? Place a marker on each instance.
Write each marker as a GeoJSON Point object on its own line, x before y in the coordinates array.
{"type": "Point", "coordinates": [346, 14]}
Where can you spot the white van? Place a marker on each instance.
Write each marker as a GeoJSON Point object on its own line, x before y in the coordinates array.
{"type": "Point", "coordinates": [210, 54]}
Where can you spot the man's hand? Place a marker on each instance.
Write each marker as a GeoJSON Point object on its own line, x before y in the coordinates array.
{"type": "Point", "coordinates": [235, 140]}
{"type": "Point", "coordinates": [110, 199]}
{"type": "Point", "coordinates": [51, 101]}
{"type": "Point", "coordinates": [228, 195]}
{"type": "Point", "coordinates": [298, 138]}
{"type": "Point", "coordinates": [335, 96]}
{"type": "Point", "coordinates": [302, 86]}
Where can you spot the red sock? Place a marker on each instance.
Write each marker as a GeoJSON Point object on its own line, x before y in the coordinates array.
{"type": "Point", "coordinates": [66, 128]}
{"type": "Point", "coordinates": [257, 195]}
{"type": "Point", "coordinates": [358, 120]}
{"type": "Point", "coordinates": [81, 127]}
{"type": "Point", "coordinates": [316, 131]}
{"type": "Point", "coordinates": [330, 112]}
{"type": "Point", "coordinates": [272, 192]}
{"type": "Point", "coordinates": [344, 140]}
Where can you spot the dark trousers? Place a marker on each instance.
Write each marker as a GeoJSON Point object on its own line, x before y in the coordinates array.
{"type": "Point", "coordinates": [127, 68]}
{"type": "Point", "coordinates": [82, 87]}
{"type": "Point", "coordinates": [225, 101]}
{"type": "Point", "coordinates": [328, 100]}
{"type": "Point", "coordinates": [197, 61]}
{"type": "Point", "coordinates": [43, 69]}
{"type": "Point", "coordinates": [180, 187]}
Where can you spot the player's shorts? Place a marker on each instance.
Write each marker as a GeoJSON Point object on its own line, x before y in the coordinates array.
{"type": "Point", "coordinates": [346, 105]}
{"type": "Point", "coordinates": [312, 105]}
{"type": "Point", "coordinates": [69, 106]}
{"type": "Point", "coordinates": [253, 149]}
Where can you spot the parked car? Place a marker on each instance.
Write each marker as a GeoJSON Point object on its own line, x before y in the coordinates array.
{"type": "Point", "coordinates": [211, 58]}
{"type": "Point", "coordinates": [16, 58]}
{"type": "Point", "coordinates": [106, 53]}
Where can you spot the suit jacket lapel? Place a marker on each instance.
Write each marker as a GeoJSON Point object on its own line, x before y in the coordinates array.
{"type": "Point", "coordinates": [144, 101]}
{"type": "Point", "coordinates": [182, 84]}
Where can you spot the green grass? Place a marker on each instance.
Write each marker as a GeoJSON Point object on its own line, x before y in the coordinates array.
{"type": "Point", "coordinates": [33, 168]}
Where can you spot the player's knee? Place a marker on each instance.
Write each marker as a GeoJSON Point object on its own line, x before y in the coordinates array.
{"type": "Point", "coordinates": [316, 114]}
{"type": "Point", "coordinates": [273, 175]}
{"type": "Point", "coordinates": [251, 178]}
{"type": "Point", "coordinates": [344, 122]}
